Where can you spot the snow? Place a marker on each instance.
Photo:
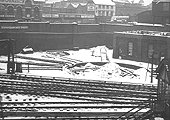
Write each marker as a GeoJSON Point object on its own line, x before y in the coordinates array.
{"type": "Point", "coordinates": [109, 70]}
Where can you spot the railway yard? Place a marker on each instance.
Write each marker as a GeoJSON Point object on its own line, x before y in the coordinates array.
{"type": "Point", "coordinates": [81, 84]}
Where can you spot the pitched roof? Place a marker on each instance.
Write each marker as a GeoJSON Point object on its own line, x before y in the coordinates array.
{"type": "Point", "coordinates": [75, 5]}
{"type": "Point", "coordinates": [103, 2]}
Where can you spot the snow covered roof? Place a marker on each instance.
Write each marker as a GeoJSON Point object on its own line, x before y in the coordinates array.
{"type": "Point", "coordinates": [121, 1]}
{"type": "Point", "coordinates": [103, 2]}
{"type": "Point", "coordinates": [39, 0]}
{"type": "Point", "coordinates": [75, 5]}
{"type": "Point", "coordinates": [52, 1]}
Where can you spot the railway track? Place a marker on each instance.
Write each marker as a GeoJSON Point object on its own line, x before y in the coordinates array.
{"type": "Point", "coordinates": [63, 60]}
{"type": "Point", "coordinates": [73, 88]}
{"type": "Point", "coordinates": [67, 109]}
{"type": "Point", "coordinates": [98, 95]}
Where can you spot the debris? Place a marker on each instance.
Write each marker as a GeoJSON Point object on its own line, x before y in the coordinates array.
{"type": "Point", "coordinates": [27, 50]}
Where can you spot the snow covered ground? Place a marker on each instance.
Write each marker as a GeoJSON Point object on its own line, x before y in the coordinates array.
{"type": "Point", "coordinates": [110, 71]}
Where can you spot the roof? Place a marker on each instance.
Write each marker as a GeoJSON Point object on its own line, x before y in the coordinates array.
{"type": "Point", "coordinates": [52, 1]}
{"type": "Point", "coordinates": [103, 2]}
{"type": "Point", "coordinates": [75, 5]}
{"type": "Point", "coordinates": [39, 0]}
{"type": "Point", "coordinates": [121, 1]}
{"type": "Point", "coordinates": [161, 0]}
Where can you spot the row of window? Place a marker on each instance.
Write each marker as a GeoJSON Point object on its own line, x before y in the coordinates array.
{"type": "Point", "coordinates": [150, 51]}
{"type": "Point", "coordinates": [130, 50]}
{"type": "Point", "coordinates": [105, 13]}
{"type": "Point", "coordinates": [105, 7]}
{"type": "Point", "coordinates": [10, 11]}
{"type": "Point", "coordinates": [166, 7]}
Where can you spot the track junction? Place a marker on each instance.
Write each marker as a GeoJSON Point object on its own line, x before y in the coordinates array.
{"type": "Point", "coordinates": [98, 99]}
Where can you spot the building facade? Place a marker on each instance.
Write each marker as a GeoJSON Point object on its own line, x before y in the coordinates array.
{"type": "Point", "coordinates": [141, 45]}
{"type": "Point", "coordinates": [161, 11]}
{"type": "Point", "coordinates": [81, 12]}
{"type": "Point", "coordinates": [21, 10]}
{"type": "Point", "coordinates": [129, 9]}
{"type": "Point", "coordinates": [103, 10]}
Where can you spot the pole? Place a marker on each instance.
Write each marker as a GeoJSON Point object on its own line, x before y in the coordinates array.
{"type": "Point", "coordinates": [152, 67]}
{"type": "Point", "coordinates": [28, 68]}
{"type": "Point", "coordinates": [2, 116]}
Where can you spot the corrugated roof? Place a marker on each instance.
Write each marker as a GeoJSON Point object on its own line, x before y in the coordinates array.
{"type": "Point", "coordinates": [103, 2]}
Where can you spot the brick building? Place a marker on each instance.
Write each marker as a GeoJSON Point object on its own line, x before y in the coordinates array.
{"type": "Point", "coordinates": [159, 14]}
{"type": "Point", "coordinates": [90, 11]}
{"type": "Point", "coordinates": [141, 45]}
{"type": "Point", "coordinates": [161, 11]}
{"type": "Point", "coordinates": [21, 10]}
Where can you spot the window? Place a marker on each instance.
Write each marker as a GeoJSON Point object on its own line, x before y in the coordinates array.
{"type": "Point", "coordinates": [2, 10]}
{"type": "Point", "coordinates": [99, 13]}
{"type": "Point", "coordinates": [130, 49]}
{"type": "Point", "coordinates": [36, 12]}
{"type": "Point", "coordinates": [103, 6]}
{"type": "Point", "coordinates": [99, 6]}
{"type": "Point", "coordinates": [19, 12]}
{"type": "Point", "coordinates": [111, 7]}
{"type": "Point", "coordinates": [111, 13]}
{"type": "Point", "coordinates": [165, 6]}
{"type": "Point", "coordinates": [28, 3]}
{"type": "Point", "coordinates": [107, 7]}
{"type": "Point", "coordinates": [167, 21]}
{"type": "Point", "coordinates": [150, 51]}
{"type": "Point", "coordinates": [10, 10]}
{"type": "Point", "coordinates": [107, 13]}
{"type": "Point", "coordinates": [103, 13]}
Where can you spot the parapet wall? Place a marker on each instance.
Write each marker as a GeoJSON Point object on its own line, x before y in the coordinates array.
{"type": "Point", "coordinates": [12, 26]}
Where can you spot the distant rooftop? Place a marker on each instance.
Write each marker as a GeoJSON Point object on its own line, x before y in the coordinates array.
{"type": "Point", "coordinates": [103, 2]}
{"type": "Point", "coordinates": [121, 1]}
{"type": "Point", "coordinates": [161, 0]}
{"type": "Point", "coordinates": [52, 1]}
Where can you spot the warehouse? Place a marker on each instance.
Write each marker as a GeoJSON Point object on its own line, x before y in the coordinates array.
{"type": "Point", "coordinates": [141, 45]}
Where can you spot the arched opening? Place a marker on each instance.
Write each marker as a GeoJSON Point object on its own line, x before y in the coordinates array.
{"type": "Point", "coordinates": [28, 3]}
{"type": "Point", "coordinates": [10, 11]}
{"type": "Point", "coordinates": [28, 12]}
{"type": "Point", "coordinates": [36, 12]}
{"type": "Point", "coordinates": [28, 6]}
{"type": "Point", "coordinates": [2, 10]}
{"type": "Point", "coordinates": [19, 12]}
